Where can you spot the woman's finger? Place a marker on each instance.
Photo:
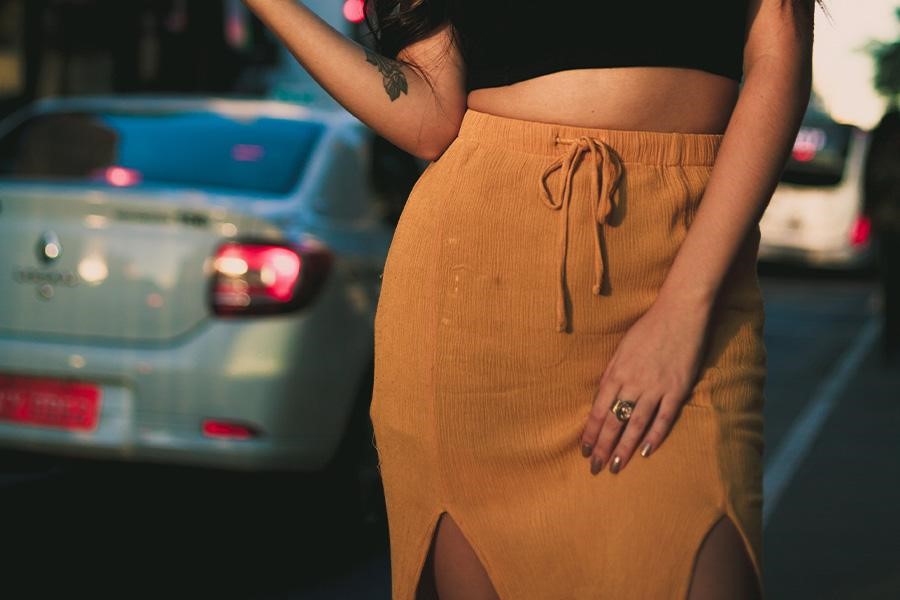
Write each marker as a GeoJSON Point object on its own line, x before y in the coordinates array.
{"type": "Point", "coordinates": [599, 409]}
{"type": "Point", "coordinates": [665, 417]}
{"type": "Point", "coordinates": [635, 429]}
{"type": "Point", "coordinates": [610, 432]}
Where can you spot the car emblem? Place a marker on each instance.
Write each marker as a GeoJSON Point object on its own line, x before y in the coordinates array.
{"type": "Point", "coordinates": [48, 247]}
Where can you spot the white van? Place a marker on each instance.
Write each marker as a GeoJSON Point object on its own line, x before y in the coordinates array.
{"type": "Point", "coordinates": [815, 215]}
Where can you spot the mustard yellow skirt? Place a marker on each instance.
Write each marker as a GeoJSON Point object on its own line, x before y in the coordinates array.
{"type": "Point", "coordinates": [523, 255]}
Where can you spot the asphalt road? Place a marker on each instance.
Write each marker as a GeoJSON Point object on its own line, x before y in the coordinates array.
{"type": "Point", "coordinates": [832, 529]}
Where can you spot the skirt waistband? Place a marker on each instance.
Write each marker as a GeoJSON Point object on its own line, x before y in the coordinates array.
{"type": "Point", "coordinates": [607, 151]}
{"type": "Point", "coordinates": [631, 146]}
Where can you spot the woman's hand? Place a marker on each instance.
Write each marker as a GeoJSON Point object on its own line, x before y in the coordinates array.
{"type": "Point", "coordinates": [654, 365]}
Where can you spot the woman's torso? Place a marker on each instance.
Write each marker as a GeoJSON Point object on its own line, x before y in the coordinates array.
{"type": "Point", "coordinates": [651, 65]}
{"type": "Point", "coordinates": [634, 98]}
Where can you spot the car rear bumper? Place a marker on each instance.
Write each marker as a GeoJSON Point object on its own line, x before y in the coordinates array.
{"type": "Point", "coordinates": [837, 258]}
{"type": "Point", "coordinates": [128, 441]}
{"type": "Point", "coordinates": [154, 400]}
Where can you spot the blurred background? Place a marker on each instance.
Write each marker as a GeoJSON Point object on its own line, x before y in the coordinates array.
{"type": "Point", "coordinates": [192, 235]}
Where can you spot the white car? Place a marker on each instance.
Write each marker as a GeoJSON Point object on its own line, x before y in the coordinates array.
{"type": "Point", "coordinates": [815, 215]}
{"type": "Point", "coordinates": [190, 280]}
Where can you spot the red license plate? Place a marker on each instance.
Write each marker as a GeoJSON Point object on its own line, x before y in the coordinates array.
{"type": "Point", "coordinates": [72, 405]}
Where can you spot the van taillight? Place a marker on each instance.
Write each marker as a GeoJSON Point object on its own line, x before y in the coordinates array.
{"type": "Point", "coordinates": [263, 278]}
{"type": "Point", "coordinates": [860, 230]}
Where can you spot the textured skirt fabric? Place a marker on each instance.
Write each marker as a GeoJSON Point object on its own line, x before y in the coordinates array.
{"type": "Point", "coordinates": [523, 255]}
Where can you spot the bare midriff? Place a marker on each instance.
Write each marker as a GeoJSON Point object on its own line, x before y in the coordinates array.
{"type": "Point", "coordinates": [633, 98]}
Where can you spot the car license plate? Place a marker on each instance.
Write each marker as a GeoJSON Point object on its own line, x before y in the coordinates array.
{"type": "Point", "coordinates": [71, 405]}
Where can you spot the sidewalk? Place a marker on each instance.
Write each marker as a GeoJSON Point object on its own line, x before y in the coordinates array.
{"type": "Point", "coordinates": [836, 532]}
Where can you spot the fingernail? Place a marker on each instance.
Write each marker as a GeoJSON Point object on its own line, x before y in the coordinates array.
{"type": "Point", "coordinates": [586, 450]}
{"type": "Point", "coordinates": [596, 465]}
{"type": "Point", "coordinates": [645, 450]}
{"type": "Point", "coordinates": [615, 464]}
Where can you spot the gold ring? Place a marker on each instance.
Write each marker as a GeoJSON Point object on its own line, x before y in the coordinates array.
{"type": "Point", "coordinates": [622, 409]}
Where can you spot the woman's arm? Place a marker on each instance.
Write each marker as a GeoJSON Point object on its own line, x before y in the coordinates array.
{"type": "Point", "coordinates": [753, 152]}
{"type": "Point", "coordinates": [383, 93]}
{"type": "Point", "coordinates": [656, 362]}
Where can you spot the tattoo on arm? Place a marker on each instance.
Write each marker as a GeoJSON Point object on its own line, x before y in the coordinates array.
{"type": "Point", "coordinates": [394, 79]}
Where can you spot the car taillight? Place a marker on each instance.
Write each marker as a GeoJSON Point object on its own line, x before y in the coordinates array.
{"type": "Point", "coordinates": [808, 143]}
{"type": "Point", "coordinates": [265, 278]}
{"type": "Point", "coordinates": [860, 230]}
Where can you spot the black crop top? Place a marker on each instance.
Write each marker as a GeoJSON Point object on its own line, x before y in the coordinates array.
{"type": "Point", "coordinates": [505, 41]}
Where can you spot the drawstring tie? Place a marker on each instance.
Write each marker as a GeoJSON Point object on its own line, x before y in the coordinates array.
{"type": "Point", "coordinates": [601, 157]}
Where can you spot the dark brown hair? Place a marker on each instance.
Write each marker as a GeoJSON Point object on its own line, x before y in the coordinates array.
{"type": "Point", "coordinates": [399, 23]}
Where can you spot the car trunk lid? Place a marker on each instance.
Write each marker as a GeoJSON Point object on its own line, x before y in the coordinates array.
{"type": "Point", "coordinates": [115, 264]}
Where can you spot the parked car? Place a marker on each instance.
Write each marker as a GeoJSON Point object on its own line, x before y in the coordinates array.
{"type": "Point", "coordinates": [815, 215]}
{"type": "Point", "coordinates": [189, 280]}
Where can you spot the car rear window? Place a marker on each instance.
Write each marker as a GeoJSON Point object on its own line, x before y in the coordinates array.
{"type": "Point", "coordinates": [819, 156]}
{"type": "Point", "coordinates": [196, 149]}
